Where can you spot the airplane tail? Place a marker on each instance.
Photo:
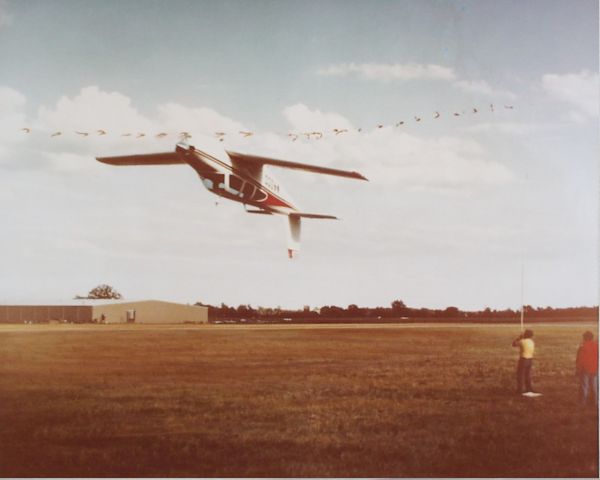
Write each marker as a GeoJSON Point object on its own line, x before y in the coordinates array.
{"type": "Point", "coordinates": [295, 227]}
{"type": "Point", "coordinates": [293, 239]}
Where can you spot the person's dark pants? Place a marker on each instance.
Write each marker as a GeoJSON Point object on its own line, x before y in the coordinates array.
{"type": "Point", "coordinates": [524, 374]}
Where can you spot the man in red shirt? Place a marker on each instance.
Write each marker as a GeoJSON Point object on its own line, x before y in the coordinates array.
{"type": "Point", "coordinates": [587, 367]}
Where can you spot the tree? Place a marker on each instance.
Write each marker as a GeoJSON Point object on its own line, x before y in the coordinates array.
{"type": "Point", "coordinates": [102, 292]}
{"type": "Point", "coordinates": [245, 311]}
{"type": "Point", "coordinates": [332, 311]}
{"type": "Point", "coordinates": [398, 305]}
{"type": "Point", "coordinates": [399, 308]}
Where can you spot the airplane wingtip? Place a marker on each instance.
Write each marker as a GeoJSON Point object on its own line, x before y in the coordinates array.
{"type": "Point", "coordinates": [357, 176]}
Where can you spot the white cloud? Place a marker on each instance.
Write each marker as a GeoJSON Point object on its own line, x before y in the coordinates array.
{"type": "Point", "coordinates": [386, 72]}
{"type": "Point", "coordinates": [93, 109]}
{"type": "Point", "coordinates": [11, 99]}
{"type": "Point", "coordinates": [508, 128]}
{"type": "Point", "coordinates": [65, 162]}
{"type": "Point", "coordinates": [388, 155]}
{"type": "Point", "coordinates": [303, 119]}
{"type": "Point", "coordinates": [87, 112]}
{"type": "Point", "coordinates": [81, 117]}
{"type": "Point", "coordinates": [6, 18]}
{"type": "Point", "coordinates": [576, 116]}
{"type": "Point", "coordinates": [12, 118]}
{"type": "Point", "coordinates": [389, 71]}
{"type": "Point", "coordinates": [481, 87]}
{"type": "Point", "coordinates": [447, 162]}
{"type": "Point", "coordinates": [203, 120]}
{"type": "Point", "coordinates": [580, 90]}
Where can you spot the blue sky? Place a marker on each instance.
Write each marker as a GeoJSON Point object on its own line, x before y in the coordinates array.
{"type": "Point", "coordinates": [453, 204]}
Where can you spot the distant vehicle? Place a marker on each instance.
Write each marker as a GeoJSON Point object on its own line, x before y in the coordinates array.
{"type": "Point", "coordinates": [241, 178]}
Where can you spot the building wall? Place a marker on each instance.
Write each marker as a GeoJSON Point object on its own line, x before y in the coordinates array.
{"type": "Point", "coordinates": [151, 311]}
{"type": "Point", "coordinates": [45, 313]}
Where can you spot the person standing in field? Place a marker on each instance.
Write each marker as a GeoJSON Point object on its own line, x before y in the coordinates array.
{"type": "Point", "coordinates": [586, 366]}
{"type": "Point", "coordinates": [526, 349]}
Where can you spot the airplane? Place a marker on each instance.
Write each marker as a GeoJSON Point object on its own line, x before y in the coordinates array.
{"type": "Point", "coordinates": [240, 177]}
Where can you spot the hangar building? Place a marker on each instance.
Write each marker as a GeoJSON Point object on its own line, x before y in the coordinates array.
{"type": "Point", "coordinates": [105, 311]}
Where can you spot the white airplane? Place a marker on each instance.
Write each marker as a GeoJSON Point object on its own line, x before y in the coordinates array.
{"type": "Point", "coordinates": [241, 178]}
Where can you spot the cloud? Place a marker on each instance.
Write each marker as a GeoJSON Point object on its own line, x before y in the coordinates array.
{"type": "Point", "coordinates": [387, 155]}
{"type": "Point", "coordinates": [481, 87]}
{"type": "Point", "coordinates": [580, 90]}
{"type": "Point", "coordinates": [202, 120]}
{"type": "Point", "coordinates": [12, 118]}
{"type": "Point", "coordinates": [6, 18]}
{"type": "Point", "coordinates": [387, 72]}
{"type": "Point", "coordinates": [65, 162]}
{"type": "Point", "coordinates": [303, 119]}
{"type": "Point", "coordinates": [93, 109]}
{"type": "Point", "coordinates": [508, 128]}
{"type": "Point", "coordinates": [448, 162]}
{"type": "Point", "coordinates": [11, 99]}
{"type": "Point", "coordinates": [81, 117]}
{"type": "Point", "coordinates": [87, 112]}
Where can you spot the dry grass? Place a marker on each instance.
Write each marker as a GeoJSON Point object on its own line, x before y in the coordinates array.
{"type": "Point", "coordinates": [209, 401]}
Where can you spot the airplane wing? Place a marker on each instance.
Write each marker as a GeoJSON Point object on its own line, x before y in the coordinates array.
{"type": "Point", "coordinates": [165, 158]}
{"type": "Point", "coordinates": [313, 215]}
{"type": "Point", "coordinates": [254, 163]}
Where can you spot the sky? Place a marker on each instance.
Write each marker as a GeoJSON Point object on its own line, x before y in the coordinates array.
{"type": "Point", "coordinates": [486, 208]}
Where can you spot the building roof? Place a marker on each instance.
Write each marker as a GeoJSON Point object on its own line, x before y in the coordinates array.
{"type": "Point", "coordinates": [80, 302]}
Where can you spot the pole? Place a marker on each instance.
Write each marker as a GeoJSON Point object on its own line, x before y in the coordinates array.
{"type": "Point", "coordinates": [523, 253]}
{"type": "Point", "coordinates": [522, 294]}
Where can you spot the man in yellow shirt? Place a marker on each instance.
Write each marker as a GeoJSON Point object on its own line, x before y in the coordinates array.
{"type": "Point", "coordinates": [526, 349]}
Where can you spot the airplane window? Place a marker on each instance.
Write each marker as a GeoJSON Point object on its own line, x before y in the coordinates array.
{"type": "Point", "coordinates": [259, 196]}
{"type": "Point", "coordinates": [219, 178]}
{"type": "Point", "coordinates": [235, 183]}
{"type": "Point", "coordinates": [248, 190]}
{"type": "Point", "coordinates": [216, 178]}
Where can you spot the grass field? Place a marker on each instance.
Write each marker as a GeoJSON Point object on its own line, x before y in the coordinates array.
{"type": "Point", "coordinates": [204, 401]}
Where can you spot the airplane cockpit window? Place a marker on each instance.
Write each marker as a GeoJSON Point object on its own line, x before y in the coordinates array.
{"type": "Point", "coordinates": [235, 183]}
{"type": "Point", "coordinates": [213, 180]}
{"type": "Point", "coordinates": [259, 196]}
{"type": "Point", "coordinates": [248, 190]}
{"type": "Point", "coordinates": [216, 178]}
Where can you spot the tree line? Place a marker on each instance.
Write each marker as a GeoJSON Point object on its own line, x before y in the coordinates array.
{"type": "Point", "coordinates": [397, 311]}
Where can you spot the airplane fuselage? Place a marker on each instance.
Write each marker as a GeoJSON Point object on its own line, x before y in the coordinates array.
{"type": "Point", "coordinates": [260, 191]}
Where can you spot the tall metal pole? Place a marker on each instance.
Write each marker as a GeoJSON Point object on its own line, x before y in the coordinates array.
{"type": "Point", "coordinates": [522, 210]}
{"type": "Point", "coordinates": [522, 292]}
